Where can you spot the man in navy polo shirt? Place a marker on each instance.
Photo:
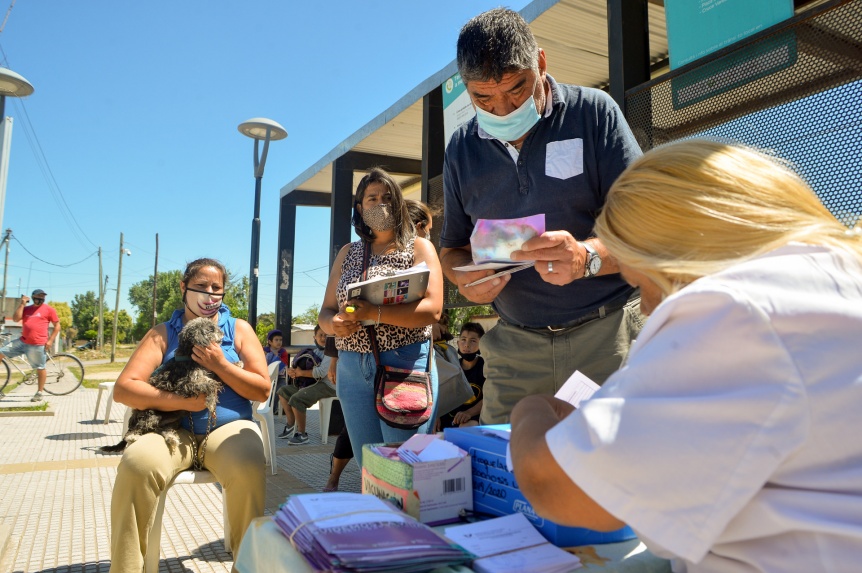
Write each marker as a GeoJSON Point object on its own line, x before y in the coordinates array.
{"type": "Point", "coordinates": [537, 147]}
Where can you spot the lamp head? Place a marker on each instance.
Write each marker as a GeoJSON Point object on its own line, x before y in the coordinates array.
{"type": "Point", "coordinates": [12, 84]}
{"type": "Point", "coordinates": [256, 127]}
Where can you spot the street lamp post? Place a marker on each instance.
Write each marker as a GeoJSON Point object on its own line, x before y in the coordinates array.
{"type": "Point", "coordinates": [13, 85]}
{"type": "Point", "coordinates": [266, 130]}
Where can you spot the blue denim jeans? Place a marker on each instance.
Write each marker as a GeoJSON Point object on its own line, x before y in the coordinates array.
{"type": "Point", "coordinates": [355, 386]}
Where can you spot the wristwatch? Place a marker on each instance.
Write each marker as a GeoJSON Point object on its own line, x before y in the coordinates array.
{"type": "Point", "coordinates": [593, 264]}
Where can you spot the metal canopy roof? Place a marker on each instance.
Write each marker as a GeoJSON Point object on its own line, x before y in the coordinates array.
{"type": "Point", "coordinates": [574, 35]}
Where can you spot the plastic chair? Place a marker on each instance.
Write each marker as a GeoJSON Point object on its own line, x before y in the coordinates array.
{"type": "Point", "coordinates": [262, 412]}
{"type": "Point", "coordinates": [109, 386]}
{"type": "Point", "coordinates": [324, 408]}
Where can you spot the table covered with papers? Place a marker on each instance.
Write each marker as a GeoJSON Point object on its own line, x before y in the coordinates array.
{"type": "Point", "coordinates": [266, 548]}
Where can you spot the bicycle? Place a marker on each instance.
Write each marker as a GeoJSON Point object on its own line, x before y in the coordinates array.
{"type": "Point", "coordinates": [64, 372]}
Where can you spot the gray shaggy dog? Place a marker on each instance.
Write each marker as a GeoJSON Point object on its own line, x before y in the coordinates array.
{"type": "Point", "coordinates": [182, 376]}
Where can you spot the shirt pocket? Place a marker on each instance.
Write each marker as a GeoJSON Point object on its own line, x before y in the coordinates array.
{"type": "Point", "coordinates": [564, 159]}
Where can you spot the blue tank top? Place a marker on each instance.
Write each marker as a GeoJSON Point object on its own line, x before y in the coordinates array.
{"type": "Point", "coordinates": [231, 406]}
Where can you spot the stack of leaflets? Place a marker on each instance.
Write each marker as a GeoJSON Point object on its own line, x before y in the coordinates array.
{"type": "Point", "coordinates": [341, 531]}
{"type": "Point", "coordinates": [510, 544]}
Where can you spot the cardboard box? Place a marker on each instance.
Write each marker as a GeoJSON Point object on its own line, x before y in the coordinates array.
{"type": "Point", "coordinates": [432, 492]}
{"type": "Point", "coordinates": [495, 490]}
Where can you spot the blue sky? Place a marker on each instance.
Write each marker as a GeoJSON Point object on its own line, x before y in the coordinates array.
{"type": "Point", "coordinates": [133, 126]}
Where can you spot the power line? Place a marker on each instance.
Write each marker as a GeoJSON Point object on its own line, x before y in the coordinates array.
{"type": "Point", "coordinates": [90, 256]}
{"type": "Point", "coordinates": [6, 18]}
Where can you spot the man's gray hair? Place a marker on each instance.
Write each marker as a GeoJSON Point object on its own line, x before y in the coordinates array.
{"type": "Point", "coordinates": [495, 43]}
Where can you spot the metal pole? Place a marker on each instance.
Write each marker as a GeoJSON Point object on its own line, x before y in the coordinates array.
{"type": "Point", "coordinates": [255, 256]}
{"type": "Point", "coordinates": [259, 164]}
{"type": "Point", "coordinates": [117, 304]}
{"type": "Point", "coordinates": [101, 312]}
{"type": "Point", "coordinates": [101, 338]}
{"type": "Point", "coordinates": [5, 268]}
{"type": "Point", "coordinates": [155, 280]}
{"type": "Point", "coordinates": [5, 147]}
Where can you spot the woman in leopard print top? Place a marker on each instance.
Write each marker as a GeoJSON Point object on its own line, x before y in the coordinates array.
{"type": "Point", "coordinates": [403, 331]}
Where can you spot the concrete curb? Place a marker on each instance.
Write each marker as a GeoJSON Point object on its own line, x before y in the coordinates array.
{"type": "Point", "coordinates": [8, 414]}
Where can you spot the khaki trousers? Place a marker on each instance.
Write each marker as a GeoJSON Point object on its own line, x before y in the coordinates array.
{"type": "Point", "coordinates": [520, 362]}
{"type": "Point", "coordinates": [234, 454]}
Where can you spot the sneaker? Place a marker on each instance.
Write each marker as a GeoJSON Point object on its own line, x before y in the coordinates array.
{"type": "Point", "coordinates": [37, 397]}
{"type": "Point", "coordinates": [298, 439]}
{"type": "Point", "coordinates": [287, 432]}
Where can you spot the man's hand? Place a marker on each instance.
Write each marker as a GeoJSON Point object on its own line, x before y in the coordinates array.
{"type": "Point", "coordinates": [559, 257]}
{"type": "Point", "coordinates": [24, 299]}
{"type": "Point", "coordinates": [482, 293]}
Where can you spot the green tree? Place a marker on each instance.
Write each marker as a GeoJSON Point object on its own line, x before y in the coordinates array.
{"type": "Point", "coordinates": [125, 325]}
{"type": "Point", "coordinates": [64, 313]}
{"type": "Point", "coordinates": [236, 296]}
{"type": "Point", "coordinates": [460, 315]}
{"type": "Point", "coordinates": [168, 299]}
{"type": "Point", "coordinates": [265, 323]}
{"type": "Point", "coordinates": [307, 317]}
{"type": "Point", "coordinates": [84, 308]}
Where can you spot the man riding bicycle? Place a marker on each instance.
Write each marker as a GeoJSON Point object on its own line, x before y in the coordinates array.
{"type": "Point", "coordinates": [34, 339]}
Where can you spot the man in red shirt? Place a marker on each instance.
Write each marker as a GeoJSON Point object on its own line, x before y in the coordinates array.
{"type": "Point", "coordinates": [34, 339]}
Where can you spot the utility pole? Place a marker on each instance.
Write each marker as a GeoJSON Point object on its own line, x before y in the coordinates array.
{"type": "Point", "coordinates": [5, 268]}
{"type": "Point", "coordinates": [117, 304]}
{"type": "Point", "coordinates": [155, 280]}
{"type": "Point", "coordinates": [101, 313]}
{"type": "Point", "coordinates": [101, 337]}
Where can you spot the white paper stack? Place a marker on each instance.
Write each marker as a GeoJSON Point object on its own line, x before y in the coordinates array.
{"type": "Point", "coordinates": [510, 544]}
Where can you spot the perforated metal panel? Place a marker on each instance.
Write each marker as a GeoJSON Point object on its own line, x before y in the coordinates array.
{"type": "Point", "coordinates": [795, 91]}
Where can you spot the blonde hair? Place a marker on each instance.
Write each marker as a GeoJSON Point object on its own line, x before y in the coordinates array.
{"type": "Point", "coordinates": [695, 207]}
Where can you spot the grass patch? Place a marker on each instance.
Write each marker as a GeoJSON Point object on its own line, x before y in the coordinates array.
{"type": "Point", "coordinates": [35, 408]}
{"type": "Point", "coordinates": [123, 351]}
{"type": "Point", "coordinates": [92, 384]}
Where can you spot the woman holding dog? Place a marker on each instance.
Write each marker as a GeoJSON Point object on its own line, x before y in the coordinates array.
{"type": "Point", "coordinates": [403, 331]}
{"type": "Point", "coordinates": [232, 450]}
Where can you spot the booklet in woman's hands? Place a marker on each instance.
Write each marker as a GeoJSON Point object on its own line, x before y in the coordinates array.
{"type": "Point", "coordinates": [399, 287]}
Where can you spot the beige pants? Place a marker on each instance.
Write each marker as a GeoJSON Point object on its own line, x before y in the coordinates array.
{"type": "Point", "coordinates": [234, 454]}
{"type": "Point", "coordinates": [521, 362]}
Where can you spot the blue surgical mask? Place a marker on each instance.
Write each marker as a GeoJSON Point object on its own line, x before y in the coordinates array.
{"type": "Point", "coordinates": [511, 126]}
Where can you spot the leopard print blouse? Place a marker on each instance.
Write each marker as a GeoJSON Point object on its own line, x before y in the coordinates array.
{"type": "Point", "coordinates": [389, 337]}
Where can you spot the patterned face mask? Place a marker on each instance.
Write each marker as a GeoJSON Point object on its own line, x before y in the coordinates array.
{"type": "Point", "coordinates": [379, 217]}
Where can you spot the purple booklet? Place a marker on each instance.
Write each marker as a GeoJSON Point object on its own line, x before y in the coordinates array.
{"type": "Point", "coordinates": [353, 532]}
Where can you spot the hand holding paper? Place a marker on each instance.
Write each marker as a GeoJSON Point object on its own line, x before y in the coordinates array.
{"type": "Point", "coordinates": [494, 240]}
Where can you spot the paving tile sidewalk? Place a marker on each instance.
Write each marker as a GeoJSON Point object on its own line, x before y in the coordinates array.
{"type": "Point", "coordinates": [55, 492]}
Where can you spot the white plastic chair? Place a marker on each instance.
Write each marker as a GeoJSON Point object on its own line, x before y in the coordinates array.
{"type": "Point", "coordinates": [109, 386]}
{"type": "Point", "coordinates": [324, 408]}
{"type": "Point", "coordinates": [262, 412]}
